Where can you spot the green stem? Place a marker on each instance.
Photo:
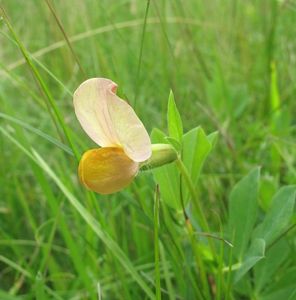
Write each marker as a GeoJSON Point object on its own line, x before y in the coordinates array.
{"type": "Point", "coordinates": [61, 27]}
{"type": "Point", "coordinates": [202, 219]}
{"type": "Point", "coordinates": [201, 216]}
{"type": "Point", "coordinates": [141, 54]}
{"type": "Point", "coordinates": [198, 260]}
{"type": "Point", "coordinates": [156, 245]}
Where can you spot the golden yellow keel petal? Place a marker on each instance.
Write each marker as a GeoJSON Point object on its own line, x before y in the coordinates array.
{"type": "Point", "coordinates": [106, 170]}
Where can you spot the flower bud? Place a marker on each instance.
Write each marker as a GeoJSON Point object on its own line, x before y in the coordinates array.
{"type": "Point", "coordinates": [162, 154]}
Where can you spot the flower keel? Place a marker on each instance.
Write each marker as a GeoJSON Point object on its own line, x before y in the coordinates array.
{"type": "Point", "coordinates": [106, 170]}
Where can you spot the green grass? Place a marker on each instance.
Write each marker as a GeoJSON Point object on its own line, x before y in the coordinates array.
{"type": "Point", "coordinates": [231, 67]}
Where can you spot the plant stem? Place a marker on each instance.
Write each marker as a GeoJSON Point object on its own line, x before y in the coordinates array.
{"type": "Point", "coordinates": [201, 216]}
{"type": "Point", "coordinates": [202, 219]}
{"type": "Point", "coordinates": [198, 259]}
{"type": "Point", "coordinates": [156, 245]}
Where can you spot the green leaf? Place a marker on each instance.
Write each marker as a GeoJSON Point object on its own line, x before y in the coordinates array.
{"type": "Point", "coordinates": [175, 126]}
{"type": "Point", "coordinates": [174, 143]}
{"type": "Point", "coordinates": [274, 92]}
{"type": "Point", "coordinates": [167, 177]}
{"type": "Point", "coordinates": [266, 268]}
{"type": "Point", "coordinates": [196, 147]}
{"type": "Point", "coordinates": [268, 187]}
{"type": "Point", "coordinates": [243, 211]}
{"type": "Point", "coordinates": [278, 216]}
{"type": "Point", "coordinates": [284, 288]}
{"type": "Point", "coordinates": [213, 138]}
{"type": "Point", "coordinates": [288, 293]}
{"type": "Point", "coordinates": [252, 256]}
{"type": "Point", "coordinates": [37, 131]}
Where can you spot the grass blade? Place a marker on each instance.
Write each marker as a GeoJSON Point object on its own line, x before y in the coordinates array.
{"type": "Point", "coordinates": [156, 244]}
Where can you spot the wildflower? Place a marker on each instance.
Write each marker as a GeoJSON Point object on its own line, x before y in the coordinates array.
{"type": "Point", "coordinates": [112, 124]}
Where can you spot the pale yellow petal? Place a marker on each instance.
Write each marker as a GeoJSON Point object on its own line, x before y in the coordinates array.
{"type": "Point", "coordinates": [109, 120]}
{"type": "Point", "coordinates": [90, 104]}
{"type": "Point", "coordinates": [106, 170]}
{"type": "Point", "coordinates": [129, 129]}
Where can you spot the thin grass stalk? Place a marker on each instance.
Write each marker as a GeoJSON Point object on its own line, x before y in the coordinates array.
{"type": "Point", "coordinates": [202, 219]}
{"type": "Point", "coordinates": [156, 244]}
{"type": "Point", "coordinates": [61, 27]}
{"type": "Point", "coordinates": [141, 54]}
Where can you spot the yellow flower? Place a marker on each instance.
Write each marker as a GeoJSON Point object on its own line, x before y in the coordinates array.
{"type": "Point", "coordinates": [112, 124]}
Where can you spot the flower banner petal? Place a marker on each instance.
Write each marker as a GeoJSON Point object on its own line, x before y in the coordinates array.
{"type": "Point", "coordinates": [129, 129]}
{"type": "Point", "coordinates": [106, 170]}
{"type": "Point", "coordinates": [90, 104]}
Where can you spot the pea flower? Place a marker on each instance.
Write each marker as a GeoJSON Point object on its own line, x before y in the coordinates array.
{"type": "Point", "coordinates": [125, 144]}
{"type": "Point", "coordinates": [112, 124]}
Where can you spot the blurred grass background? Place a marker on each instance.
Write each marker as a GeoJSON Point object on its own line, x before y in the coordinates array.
{"type": "Point", "coordinates": [232, 67]}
